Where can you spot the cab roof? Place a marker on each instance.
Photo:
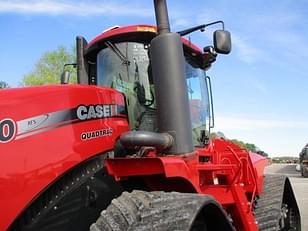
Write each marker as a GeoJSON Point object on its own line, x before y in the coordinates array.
{"type": "Point", "coordinates": [138, 33]}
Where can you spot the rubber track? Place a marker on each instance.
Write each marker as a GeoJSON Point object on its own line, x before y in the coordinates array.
{"type": "Point", "coordinates": [268, 206]}
{"type": "Point", "coordinates": [153, 211]}
{"type": "Point", "coordinates": [52, 196]}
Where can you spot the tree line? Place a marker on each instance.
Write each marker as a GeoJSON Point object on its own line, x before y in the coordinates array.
{"type": "Point", "coordinates": [248, 146]}
{"type": "Point", "coordinates": [3, 84]}
{"type": "Point", "coordinates": [48, 69]}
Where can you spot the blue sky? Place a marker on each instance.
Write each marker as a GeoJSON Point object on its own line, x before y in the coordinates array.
{"type": "Point", "coordinates": [260, 89]}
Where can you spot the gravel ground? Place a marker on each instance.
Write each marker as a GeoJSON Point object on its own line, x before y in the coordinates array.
{"type": "Point", "coordinates": [300, 187]}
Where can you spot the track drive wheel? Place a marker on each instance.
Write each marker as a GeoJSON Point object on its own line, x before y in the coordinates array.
{"type": "Point", "coordinates": [161, 211]}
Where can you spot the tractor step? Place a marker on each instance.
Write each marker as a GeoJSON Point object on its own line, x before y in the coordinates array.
{"type": "Point", "coordinates": [140, 210]}
{"type": "Point", "coordinates": [276, 208]}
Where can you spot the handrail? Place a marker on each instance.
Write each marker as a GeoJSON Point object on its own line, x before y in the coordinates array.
{"type": "Point", "coordinates": [239, 161]}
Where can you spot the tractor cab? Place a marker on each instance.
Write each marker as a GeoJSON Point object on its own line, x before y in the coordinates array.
{"type": "Point", "coordinates": [119, 58]}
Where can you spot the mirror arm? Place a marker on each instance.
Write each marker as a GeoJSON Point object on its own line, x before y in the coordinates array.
{"type": "Point", "coordinates": [216, 22]}
{"type": "Point", "coordinates": [70, 64]}
{"type": "Point", "coordinates": [200, 27]}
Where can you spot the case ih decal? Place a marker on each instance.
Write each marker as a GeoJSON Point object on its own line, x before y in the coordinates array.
{"type": "Point", "coordinates": [41, 123]}
{"type": "Point", "coordinates": [98, 111]}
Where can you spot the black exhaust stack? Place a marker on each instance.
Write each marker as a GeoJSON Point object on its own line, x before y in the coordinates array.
{"type": "Point", "coordinates": [82, 67]}
{"type": "Point", "coordinates": [167, 57]}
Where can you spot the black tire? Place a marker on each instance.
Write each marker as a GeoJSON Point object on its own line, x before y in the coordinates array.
{"type": "Point", "coordinates": [73, 202]}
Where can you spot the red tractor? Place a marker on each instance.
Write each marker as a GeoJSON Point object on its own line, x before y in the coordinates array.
{"type": "Point", "coordinates": [128, 147]}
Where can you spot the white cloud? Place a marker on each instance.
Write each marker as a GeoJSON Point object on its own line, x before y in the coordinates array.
{"type": "Point", "coordinates": [275, 36]}
{"type": "Point", "coordinates": [180, 22]}
{"type": "Point", "coordinates": [244, 123]}
{"type": "Point", "coordinates": [276, 137]}
{"type": "Point", "coordinates": [80, 8]}
{"type": "Point", "coordinates": [244, 50]}
{"type": "Point", "coordinates": [257, 84]}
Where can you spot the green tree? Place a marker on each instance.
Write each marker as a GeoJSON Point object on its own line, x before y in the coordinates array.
{"type": "Point", "coordinates": [215, 135]}
{"type": "Point", "coordinates": [3, 84]}
{"type": "Point", "coordinates": [49, 67]}
{"type": "Point", "coordinates": [252, 147]}
{"type": "Point", "coordinates": [239, 143]}
{"type": "Point", "coordinates": [243, 145]}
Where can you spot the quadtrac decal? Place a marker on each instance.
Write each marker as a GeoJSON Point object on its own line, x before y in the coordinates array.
{"type": "Point", "coordinates": [95, 134]}
{"type": "Point", "coordinates": [10, 130]}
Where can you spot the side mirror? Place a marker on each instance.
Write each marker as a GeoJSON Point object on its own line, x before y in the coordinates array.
{"type": "Point", "coordinates": [222, 41]}
{"type": "Point", "coordinates": [66, 74]}
{"type": "Point", "coordinates": [65, 77]}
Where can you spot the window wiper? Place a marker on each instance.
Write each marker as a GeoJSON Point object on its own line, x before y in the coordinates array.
{"type": "Point", "coordinates": [116, 50]}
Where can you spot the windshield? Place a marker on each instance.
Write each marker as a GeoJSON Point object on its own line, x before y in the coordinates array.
{"type": "Point", "coordinates": [129, 73]}
{"type": "Point", "coordinates": [125, 66]}
{"type": "Point", "coordinates": [199, 103]}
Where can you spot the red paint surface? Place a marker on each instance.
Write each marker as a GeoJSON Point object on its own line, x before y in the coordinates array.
{"type": "Point", "coordinates": [30, 164]}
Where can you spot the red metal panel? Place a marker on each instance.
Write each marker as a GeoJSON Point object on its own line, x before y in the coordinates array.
{"type": "Point", "coordinates": [45, 150]}
{"type": "Point", "coordinates": [244, 216]}
{"type": "Point", "coordinates": [123, 167]}
{"type": "Point", "coordinates": [222, 169]}
{"type": "Point", "coordinates": [259, 163]}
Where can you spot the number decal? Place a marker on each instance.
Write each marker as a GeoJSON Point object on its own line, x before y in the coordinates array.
{"type": "Point", "coordinates": [7, 130]}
